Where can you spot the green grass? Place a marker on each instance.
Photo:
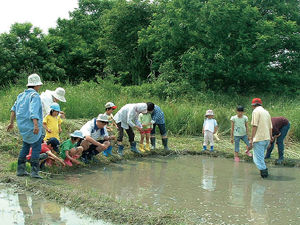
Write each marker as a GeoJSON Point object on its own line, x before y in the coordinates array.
{"type": "Point", "coordinates": [184, 114]}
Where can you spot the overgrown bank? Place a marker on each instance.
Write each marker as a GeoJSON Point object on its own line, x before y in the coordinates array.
{"type": "Point", "coordinates": [99, 205]}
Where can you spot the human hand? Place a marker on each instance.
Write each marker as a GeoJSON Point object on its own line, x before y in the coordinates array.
{"type": "Point", "coordinates": [36, 130]}
{"type": "Point", "coordinates": [10, 126]}
{"type": "Point", "coordinates": [62, 114]}
{"type": "Point", "coordinates": [48, 130]}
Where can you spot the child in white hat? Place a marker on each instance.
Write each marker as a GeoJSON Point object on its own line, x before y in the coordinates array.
{"type": "Point", "coordinates": [210, 127]}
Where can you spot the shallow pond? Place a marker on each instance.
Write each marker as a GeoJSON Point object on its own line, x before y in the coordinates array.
{"type": "Point", "coordinates": [209, 190]}
{"type": "Point", "coordinates": [18, 207]}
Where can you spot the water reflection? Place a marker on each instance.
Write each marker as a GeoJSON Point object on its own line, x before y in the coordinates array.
{"type": "Point", "coordinates": [210, 190]}
{"type": "Point", "coordinates": [21, 208]}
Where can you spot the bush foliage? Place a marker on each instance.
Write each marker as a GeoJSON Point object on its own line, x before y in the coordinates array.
{"type": "Point", "coordinates": [180, 46]}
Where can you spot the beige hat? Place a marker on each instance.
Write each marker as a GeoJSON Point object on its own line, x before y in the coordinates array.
{"type": "Point", "coordinates": [59, 94]}
{"type": "Point", "coordinates": [209, 113]}
{"type": "Point", "coordinates": [103, 118]}
{"type": "Point", "coordinates": [34, 80]}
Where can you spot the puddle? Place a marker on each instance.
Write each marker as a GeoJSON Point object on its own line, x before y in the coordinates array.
{"type": "Point", "coordinates": [208, 190]}
{"type": "Point", "coordinates": [18, 207]}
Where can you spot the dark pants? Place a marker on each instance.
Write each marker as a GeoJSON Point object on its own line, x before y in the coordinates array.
{"type": "Point", "coordinates": [91, 151]}
{"type": "Point", "coordinates": [284, 130]}
{"type": "Point", "coordinates": [129, 131]}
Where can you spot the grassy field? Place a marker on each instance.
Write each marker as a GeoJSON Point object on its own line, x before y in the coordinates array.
{"type": "Point", "coordinates": [184, 119]}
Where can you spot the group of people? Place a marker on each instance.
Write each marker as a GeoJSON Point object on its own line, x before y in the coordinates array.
{"type": "Point", "coordinates": [39, 122]}
{"type": "Point", "coordinates": [265, 132]}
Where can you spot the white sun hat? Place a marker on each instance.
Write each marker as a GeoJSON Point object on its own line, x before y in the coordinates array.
{"type": "Point", "coordinates": [59, 94]}
{"type": "Point", "coordinates": [103, 118]}
{"type": "Point", "coordinates": [34, 80]}
{"type": "Point", "coordinates": [209, 113]}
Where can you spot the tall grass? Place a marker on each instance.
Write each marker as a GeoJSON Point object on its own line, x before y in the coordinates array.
{"type": "Point", "coordinates": [184, 114]}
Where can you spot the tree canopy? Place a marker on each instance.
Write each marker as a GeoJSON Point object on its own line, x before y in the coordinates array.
{"type": "Point", "coordinates": [218, 45]}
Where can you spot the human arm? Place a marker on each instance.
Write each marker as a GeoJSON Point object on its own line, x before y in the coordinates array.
{"type": "Point", "coordinates": [62, 114]}
{"type": "Point", "coordinates": [215, 130]}
{"type": "Point", "coordinates": [36, 128]}
{"type": "Point", "coordinates": [247, 129]}
{"type": "Point", "coordinates": [253, 132]}
{"type": "Point", "coordinates": [56, 158]}
{"type": "Point", "coordinates": [94, 142]}
{"type": "Point", "coordinates": [46, 128]}
{"type": "Point", "coordinates": [11, 123]}
{"type": "Point", "coordinates": [59, 128]}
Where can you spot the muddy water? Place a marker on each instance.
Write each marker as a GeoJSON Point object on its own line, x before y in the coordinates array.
{"type": "Point", "coordinates": [17, 207]}
{"type": "Point", "coordinates": [208, 190]}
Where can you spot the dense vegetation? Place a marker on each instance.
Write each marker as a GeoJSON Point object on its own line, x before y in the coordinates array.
{"type": "Point", "coordinates": [182, 47]}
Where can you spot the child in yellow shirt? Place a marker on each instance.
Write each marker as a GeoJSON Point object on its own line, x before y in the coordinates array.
{"type": "Point", "coordinates": [52, 122]}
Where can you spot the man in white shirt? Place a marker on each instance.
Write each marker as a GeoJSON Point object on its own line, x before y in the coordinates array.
{"type": "Point", "coordinates": [96, 138]}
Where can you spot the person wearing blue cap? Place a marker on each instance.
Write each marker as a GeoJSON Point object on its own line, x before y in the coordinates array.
{"type": "Point", "coordinates": [52, 122]}
{"type": "Point", "coordinates": [28, 111]}
{"type": "Point", "coordinates": [70, 151]}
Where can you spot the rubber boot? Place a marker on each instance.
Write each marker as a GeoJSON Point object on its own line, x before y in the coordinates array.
{"type": "Point", "coordinates": [109, 149]}
{"type": "Point", "coordinates": [120, 149]}
{"type": "Point", "coordinates": [21, 170]}
{"type": "Point", "coordinates": [35, 169]}
{"type": "Point", "coordinates": [264, 173]}
{"type": "Point", "coordinates": [68, 162]}
{"type": "Point", "coordinates": [280, 159]}
{"type": "Point", "coordinates": [204, 148]}
{"type": "Point", "coordinates": [105, 152]}
{"type": "Point", "coordinates": [84, 158]}
{"type": "Point", "coordinates": [133, 148]}
{"type": "Point", "coordinates": [142, 148]}
{"type": "Point", "coordinates": [147, 147]}
{"type": "Point", "coordinates": [165, 144]}
{"type": "Point", "coordinates": [211, 148]}
{"type": "Point", "coordinates": [152, 139]}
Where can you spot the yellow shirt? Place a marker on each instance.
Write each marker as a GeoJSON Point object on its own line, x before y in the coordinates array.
{"type": "Point", "coordinates": [262, 120]}
{"type": "Point", "coordinates": [52, 124]}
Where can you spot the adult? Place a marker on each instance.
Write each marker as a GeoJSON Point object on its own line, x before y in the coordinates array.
{"type": "Point", "coordinates": [48, 97]}
{"type": "Point", "coordinates": [96, 138]}
{"type": "Point", "coordinates": [280, 129]}
{"type": "Point", "coordinates": [127, 118]}
{"type": "Point", "coordinates": [158, 118]}
{"type": "Point", "coordinates": [261, 135]}
{"type": "Point", "coordinates": [28, 111]}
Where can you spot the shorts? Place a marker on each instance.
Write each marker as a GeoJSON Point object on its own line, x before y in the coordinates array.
{"type": "Point", "coordinates": [146, 131]}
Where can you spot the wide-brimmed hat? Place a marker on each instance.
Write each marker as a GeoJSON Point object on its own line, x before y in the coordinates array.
{"type": "Point", "coordinates": [256, 101]}
{"type": "Point", "coordinates": [34, 80]}
{"type": "Point", "coordinates": [209, 113]}
{"type": "Point", "coordinates": [102, 118]}
{"type": "Point", "coordinates": [77, 134]}
{"type": "Point", "coordinates": [55, 106]}
{"type": "Point", "coordinates": [54, 143]}
{"type": "Point", "coordinates": [59, 94]}
{"type": "Point", "coordinates": [110, 105]}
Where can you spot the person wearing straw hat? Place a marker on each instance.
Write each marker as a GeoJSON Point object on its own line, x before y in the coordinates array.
{"type": "Point", "coordinates": [48, 97]}
{"type": "Point", "coordinates": [28, 111]}
{"type": "Point", "coordinates": [210, 127]}
{"type": "Point", "coordinates": [261, 135]}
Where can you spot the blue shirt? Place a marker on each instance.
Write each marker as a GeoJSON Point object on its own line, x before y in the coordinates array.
{"type": "Point", "coordinates": [158, 115]}
{"type": "Point", "coordinates": [27, 107]}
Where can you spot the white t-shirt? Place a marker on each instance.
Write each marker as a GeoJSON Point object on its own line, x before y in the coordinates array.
{"type": "Point", "coordinates": [239, 125]}
{"type": "Point", "coordinates": [210, 124]}
{"type": "Point", "coordinates": [262, 120]}
{"type": "Point", "coordinates": [94, 132]}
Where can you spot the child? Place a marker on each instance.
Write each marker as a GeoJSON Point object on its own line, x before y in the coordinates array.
{"type": "Point", "coordinates": [239, 130]}
{"type": "Point", "coordinates": [52, 122]}
{"type": "Point", "coordinates": [47, 152]}
{"type": "Point", "coordinates": [210, 127]}
{"type": "Point", "coordinates": [145, 120]}
{"type": "Point", "coordinates": [69, 149]}
{"type": "Point", "coordinates": [109, 108]}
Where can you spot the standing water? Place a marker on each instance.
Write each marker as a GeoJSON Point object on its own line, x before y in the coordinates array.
{"type": "Point", "coordinates": [18, 207]}
{"type": "Point", "coordinates": [208, 190]}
